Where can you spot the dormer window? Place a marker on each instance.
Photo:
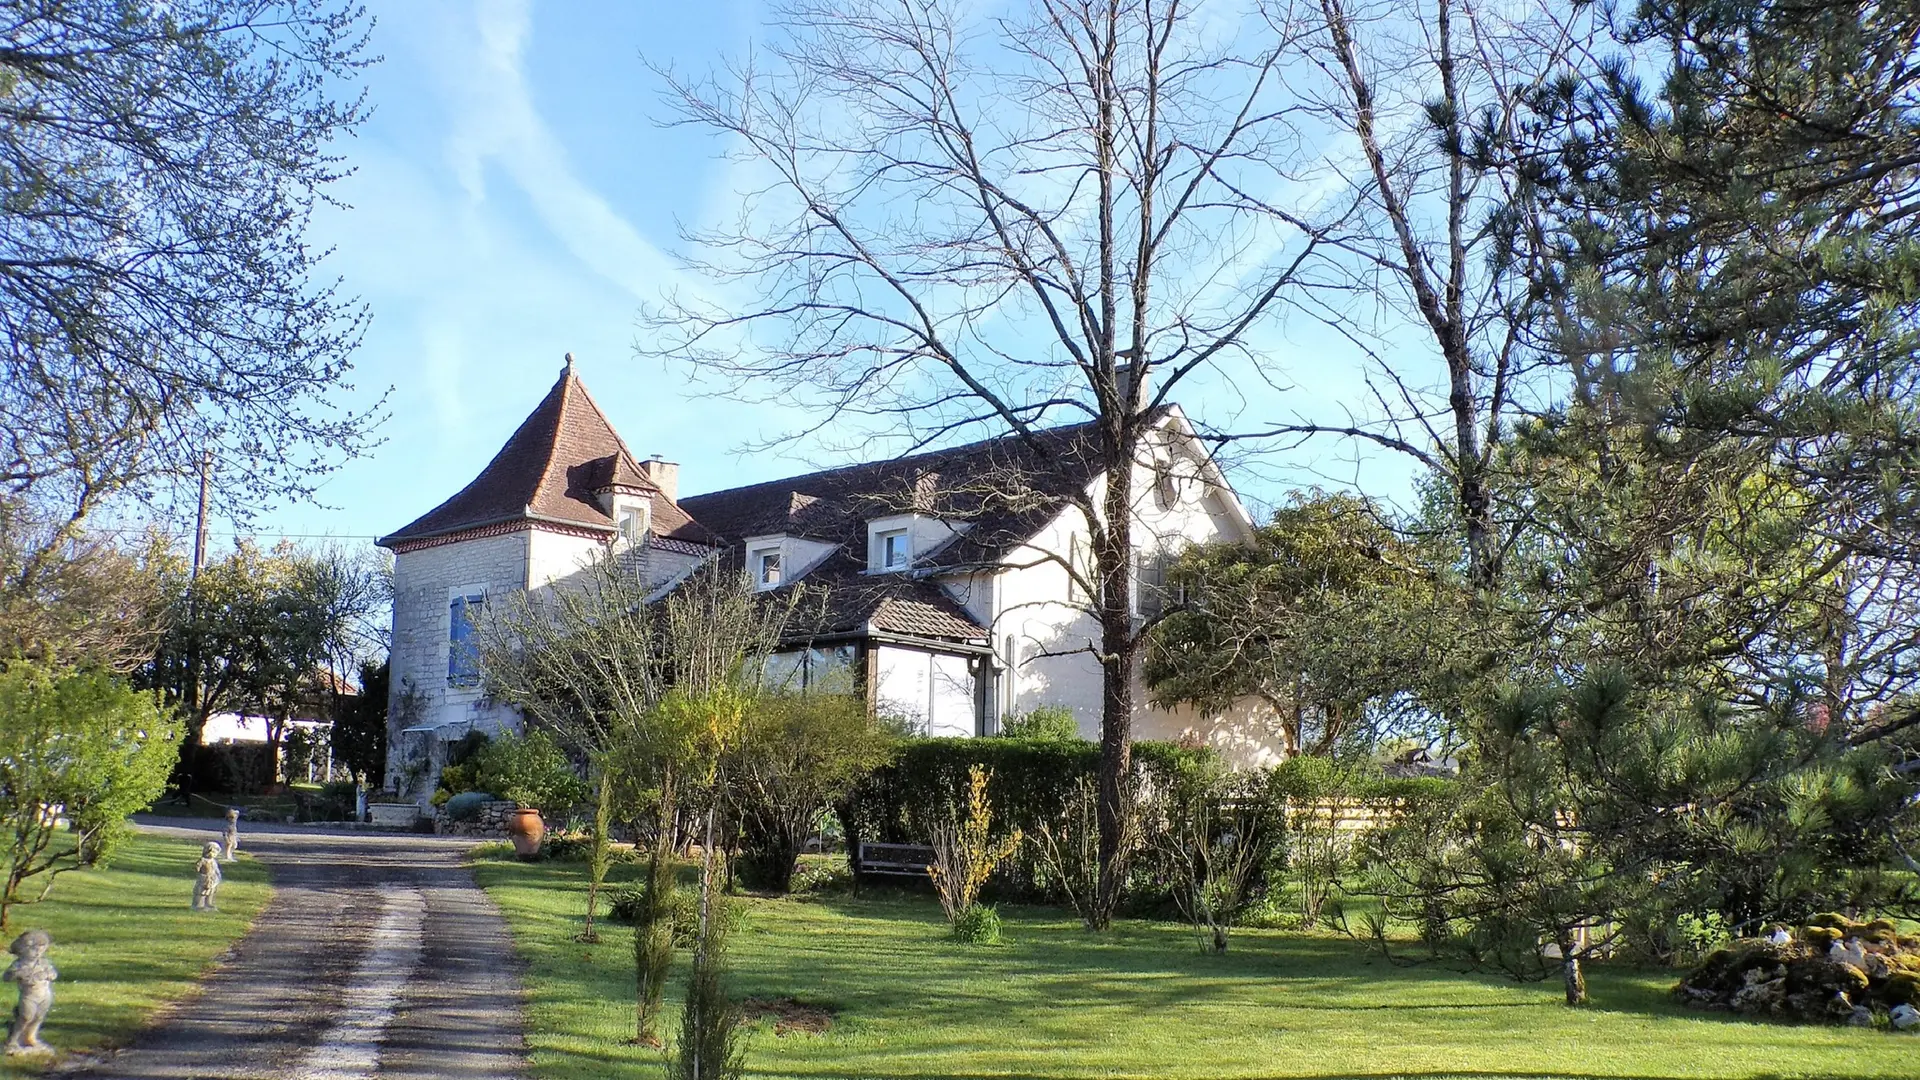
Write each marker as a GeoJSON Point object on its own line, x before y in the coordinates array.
{"type": "Point", "coordinates": [633, 524]}
{"type": "Point", "coordinates": [896, 549]}
{"type": "Point", "coordinates": [765, 564]}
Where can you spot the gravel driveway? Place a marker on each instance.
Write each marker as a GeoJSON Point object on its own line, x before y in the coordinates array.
{"type": "Point", "coordinates": [378, 957]}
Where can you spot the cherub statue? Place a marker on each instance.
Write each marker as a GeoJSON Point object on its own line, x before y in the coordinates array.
{"type": "Point", "coordinates": [35, 975]}
{"type": "Point", "coordinates": [232, 839]}
{"type": "Point", "coordinates": [209, 880]}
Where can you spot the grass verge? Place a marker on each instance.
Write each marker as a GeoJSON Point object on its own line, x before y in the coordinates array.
{"type": "Point", "coordinates": [1056, 1003]}
{"type": "Point", "coordinates": [125, 942]}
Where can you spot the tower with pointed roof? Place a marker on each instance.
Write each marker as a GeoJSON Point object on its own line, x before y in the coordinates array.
{"type": "Point", "coordinates": [563, 489]}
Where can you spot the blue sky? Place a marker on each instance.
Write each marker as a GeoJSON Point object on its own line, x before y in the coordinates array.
{"type": "Point", "coordinates": [516, 199]}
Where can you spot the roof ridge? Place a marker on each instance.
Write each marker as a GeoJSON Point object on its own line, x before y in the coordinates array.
{"type": "Point", "coordinates": [559, 424]}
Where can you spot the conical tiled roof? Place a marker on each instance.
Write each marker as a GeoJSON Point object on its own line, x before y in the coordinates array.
{"type": "Point", "coordinates": [549, 471]}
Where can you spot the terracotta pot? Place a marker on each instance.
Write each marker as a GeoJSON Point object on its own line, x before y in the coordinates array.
{"type": "Point", "coordinates": [525, 829]}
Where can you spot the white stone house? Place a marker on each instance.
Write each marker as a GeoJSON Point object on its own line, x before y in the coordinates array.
{"type": "Point", "coordinates": [949, 602]}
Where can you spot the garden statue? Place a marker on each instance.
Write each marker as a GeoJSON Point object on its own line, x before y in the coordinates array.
{"type": "Point", "coordinates": [35, 975]}
{"type": "Point", "coordinates": [209, 879]}
{"type": "Point", "coordinates": [1781, 936]}
{"type": "Point", "coordinates": [232, 844]}
{"type": "Point", "coordinates": [1904, 1016]}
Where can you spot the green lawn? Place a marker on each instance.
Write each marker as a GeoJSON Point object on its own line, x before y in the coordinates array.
{"type": "Point", "coordinates": [125, 942]}
{"type": "Point", "coordinates": [1141, 1001]}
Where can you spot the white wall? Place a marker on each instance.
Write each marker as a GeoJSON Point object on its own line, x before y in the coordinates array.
{"type": "Point", "coordinates": [557, 555]}
{"type": "Point", "coordinates": [1055, 636]}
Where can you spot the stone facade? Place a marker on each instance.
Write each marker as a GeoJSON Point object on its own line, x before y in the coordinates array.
{"type": "Point", "coordinates": [425, 712]}
{"type": "Point", "coordinates": [490, 822]}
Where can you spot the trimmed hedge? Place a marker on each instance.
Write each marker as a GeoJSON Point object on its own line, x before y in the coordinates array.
{"type": "Point", "coordinates": [1311, 779]}
{"type": "Point", "coordinates": [1031, 782]}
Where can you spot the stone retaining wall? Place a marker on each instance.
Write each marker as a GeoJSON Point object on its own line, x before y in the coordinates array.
{"type": "Point", "coordinates": [491, 822]}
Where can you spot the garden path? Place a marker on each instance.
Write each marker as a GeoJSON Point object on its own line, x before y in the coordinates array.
{"type": "Point", "coordinates": [377, 957]}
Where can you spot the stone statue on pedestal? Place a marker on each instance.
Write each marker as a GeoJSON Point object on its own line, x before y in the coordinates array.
{"type": "Point", "coordinates": [232, 840]}
{"type": "Point", "coordinates": [209, 879]}
{"type": "Point", "coordinates": [35, 974]}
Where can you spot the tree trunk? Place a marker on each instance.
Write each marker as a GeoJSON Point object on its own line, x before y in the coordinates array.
{"type": "Point", "coordinates": [1113, 561]}
{"type": "Point", "coordinates": [1570, 968]}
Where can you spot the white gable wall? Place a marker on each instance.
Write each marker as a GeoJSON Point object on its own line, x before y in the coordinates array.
{"type": "Point", "coordinates": [1042, 628]}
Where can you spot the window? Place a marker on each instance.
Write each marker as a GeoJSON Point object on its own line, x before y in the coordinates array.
{"type": "Point", "coordinates": [827, 669]}
{"type": "Point", "coordinates": [1079, 569]}
{"type": "Point", "coordinates": [766, 568]}
{"type": "Point", "coordinates": [1151, 593]}
{"type": "Point", "coordinates": [463, 653]}
{"type": "Point", "coordinates": [633, 524]}
{"type": "Point", "coordinates": [1010, 688]}
{"type": "Point", "coordinates": [896, 550]}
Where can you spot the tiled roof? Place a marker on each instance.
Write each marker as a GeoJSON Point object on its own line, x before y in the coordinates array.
{"type": "Point", "coordinates": [886, 604]}
{"type": "Point", "coordinates": [1001, 492]}
{"type": "Point", "coordinates": [549, 470]}
{"type": "Point", "coordinates": [1004, 490]}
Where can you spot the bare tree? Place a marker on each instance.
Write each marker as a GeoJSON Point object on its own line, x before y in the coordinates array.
{"type": "Point", "coordinates": [987, 227]}
{"type": "Point", "coordinates": [1441, 272]}
{"type": "Point", "coordinates": [592, 656]}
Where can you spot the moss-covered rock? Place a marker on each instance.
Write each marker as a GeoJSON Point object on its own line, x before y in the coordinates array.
{"type": "Point", "coordinates": [1819, 935]}
{"type": "Point", "coordinates": [1827, 972]}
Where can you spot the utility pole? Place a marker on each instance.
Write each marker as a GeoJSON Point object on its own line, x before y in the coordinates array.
{"type": "Point", "coordinates": [191, 695]}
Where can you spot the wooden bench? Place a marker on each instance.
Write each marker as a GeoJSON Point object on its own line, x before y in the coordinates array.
{"type": "Point", "coordinates": [906, 860]}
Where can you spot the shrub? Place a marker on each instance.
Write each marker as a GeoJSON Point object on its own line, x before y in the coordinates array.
{"type": "Point", "coordinates": [965, 849]}
{"type": "Point", "coordinates": [796, 756]}
{"type": "Point", "coordinates": [529, 769]}
{"type": "Point", "coordinates": [978, 925]}
{"type": "Point", "coordinates": [566, 847]}
{"type": "Point", "coordinates": [466, 805]}
{"type": "Point", "coordinates": [457, 780]}
{"type": "Point", "coordinates": [83, 740]}
{"type": "Point", "coordinates": [1067, 848]}
{"type": "Point", "coordinates": [1318, 810]}
{"type": "Point", "coordinates": [1215, 838]}
{"type": "Point", "coordinates": [629, 904]}
{"type": "Point", "coordinates": [823, 878]}
{"type": "Point", "coordinates": [333, 802]}
{"type": "Point", "coordinates": [1048, 723]}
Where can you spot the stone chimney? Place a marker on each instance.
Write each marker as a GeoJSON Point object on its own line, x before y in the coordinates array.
{"type": "Point", "coordinates": [664, 475]}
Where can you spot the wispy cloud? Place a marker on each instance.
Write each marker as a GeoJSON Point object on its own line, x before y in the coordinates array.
{"type": "Point", "coordinates": [496, 123]}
